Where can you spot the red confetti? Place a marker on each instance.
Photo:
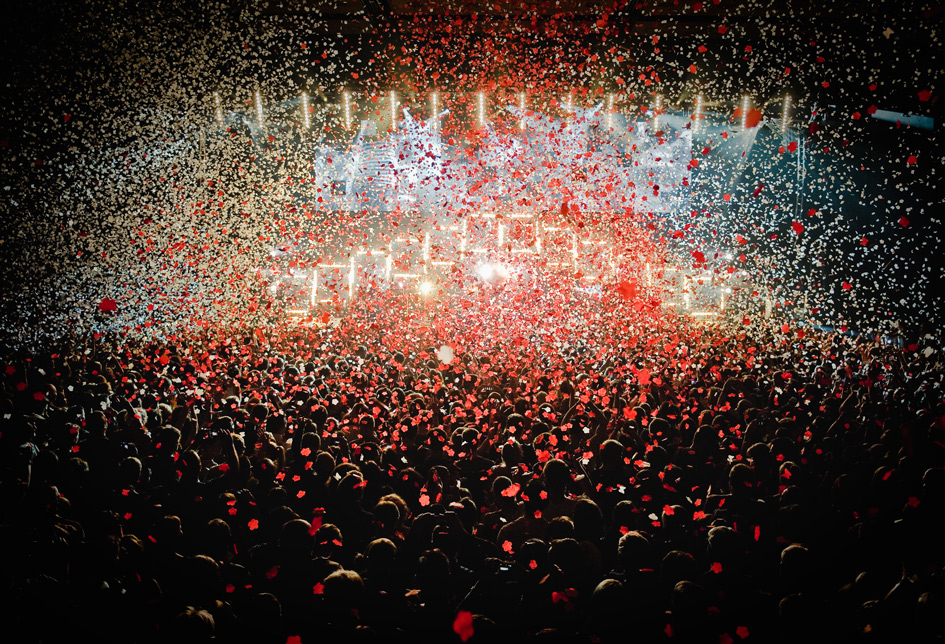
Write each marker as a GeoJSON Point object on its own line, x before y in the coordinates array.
{"type": "Point", "coordinates": [463, 625]}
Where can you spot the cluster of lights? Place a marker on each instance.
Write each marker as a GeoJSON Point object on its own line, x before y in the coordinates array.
{"type": "Point", "coordinates": [481, 110]}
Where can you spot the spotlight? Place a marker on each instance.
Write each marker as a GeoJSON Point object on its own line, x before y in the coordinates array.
{"type": "Point", "coordinates": [492, 273]}
{"type": "Point", "coordinates": [347, 110]}
{"type": "Point", "coordinates": [426, 287]}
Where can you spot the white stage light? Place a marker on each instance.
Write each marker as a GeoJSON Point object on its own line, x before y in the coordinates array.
{"type": "Point", "coordinates": [610, 111]}
{"type": "Point", "coordinates": [745, 113]}
{"type": "Point", "coordinates": [347, 110]}
{"type": "Point", "coordinates": [259, 110]}
{"type": "Point", "coordinates": [216, 99]}
{"type": "Point", "coordinates": [785, 113]}
{"type": "Point", "coordinates": [482, 108]}
{"type": "Point", "coordinates": [436, 118]}
{"type": "Point", "coordinates": [393, 110]}
{"type": "Point", "coordinates": [305, 109]}
{"type": "Point", "coordinates": [695, 125]}
{"type": "Point", "coordinates": [486, 271]}
{"type": "Point", "coordinates": [426, 288]}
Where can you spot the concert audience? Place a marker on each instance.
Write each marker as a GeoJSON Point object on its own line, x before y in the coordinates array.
{"type": "Point", "coordinates": [638, 479]}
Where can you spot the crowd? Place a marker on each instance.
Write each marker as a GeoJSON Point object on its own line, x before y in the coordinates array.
{"type": "Point", "coordinates": [578, 473]}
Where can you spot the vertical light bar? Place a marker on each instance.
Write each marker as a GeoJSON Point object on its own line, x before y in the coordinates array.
{"type": "Point", "coordinates": [351, 281]}
{"type": "Point", "coordinates": [610, 111]}
{"type": "Point", "coordinates": [259, 110]}
{"type": "Point", "coordinates": [347, 109]}
{"type": "Point", "coordinates": [216, 99]}
{"type": "Point", "coordinates": [305, 109]}
{"type": "Point", "coordinates": [482, 108]}
{"type": "Point", "coordinates": [393, 110]}
{"type": "Point", "coordinates": [785, 113]}
{"type": "Point", "coordinates": [390, 260]}
{"type": "Point", "coordinates": [436, 118]}
{"type": "Point", "coordinates": [656, 114]}
{"type": "Point", "coordinates": [501, 234]}
{"type": "Point", "coordinates": [745, 112]}
{"type": "Point", "coordinates": [314, 284]}
{"type": "Point", "coordinates": [521, 105]}
{"type": "Point", "coordinates": [698, 112]}
{"type": "Point", "coordinates": [426, 253]}
{"type": "Point", "coordinates": [722, 301]}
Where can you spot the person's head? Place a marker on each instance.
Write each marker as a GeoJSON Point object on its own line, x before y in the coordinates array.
{"type": "Point", "coordinates": [193, 626]}
{"type": "Point", "coordinates": [381, 555]}
{"type": "Point", "coordinates": [557, 476]}
{"type": "Point", "coordinates": [295, 540]}
{"type": "Point", "coordinates": [611, 453]}
{"type": "Point", "coordinates": [343, 590]}
{"type": "Point", "coordinates": [634, 552]}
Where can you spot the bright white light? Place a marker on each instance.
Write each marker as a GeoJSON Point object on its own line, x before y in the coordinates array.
{"type": "Point", "coordinates": [426, 287]}
{"type": "Point", "coordinates": [351, 281]}
{"type": "Point", "coordinates": [445, 354]}
{"type": "Point", "coordinates": [393, 109]}
{"type": "Point", "coordinates": [305, 109]}
{"type": "Point", "coordinates": [347, 110]}
{"type": "Point", "coordinates": [698, 112]}
{"type": "Point", "coordinates": [216, 99]}
{"type": "Point", "coordinates": [745, 112]}
{"type": "Point", "coordinates": [785, 113]}
{"type": "Point", "coordinates": [656, 115]}
{"type": "Point", "coordinates": [436, 118]}
{"type": "Point", "coordinates": [259, 110]}
{"type": "Point", "coordinates": [482, 108]}
{"type": "Point", "coordinates": [489, 272]}
{"type": "Point", "coordinates": [610, 111]}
